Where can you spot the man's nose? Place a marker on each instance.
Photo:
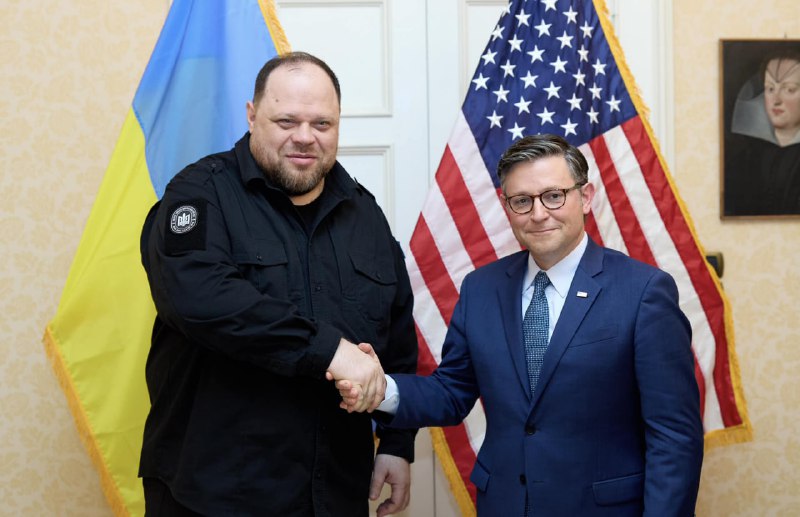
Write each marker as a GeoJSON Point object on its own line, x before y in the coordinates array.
{"type": "Point", "coordinates": [303, 134]}
{"type": "Point", "coordinates": [538, 211]}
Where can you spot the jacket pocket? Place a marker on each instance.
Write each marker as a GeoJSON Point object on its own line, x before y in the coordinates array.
{"type": "Point", "coordinates": [480, 477]}
{"type": "Point", "coordinates": [264, 264]}
{"type": "Point", "coordinates": [619, 490]}
{"type": "Point", "coordinates": [373, 285]}
{"type": "Point", "coordinates": [592, 336]}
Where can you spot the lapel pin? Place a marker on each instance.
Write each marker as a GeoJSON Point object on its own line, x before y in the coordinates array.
{"type": "Point", "coordinates": [582, 294]}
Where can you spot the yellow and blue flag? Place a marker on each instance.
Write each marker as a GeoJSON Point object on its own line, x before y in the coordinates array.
{"type": "Point", "coordinates": [190, 103]}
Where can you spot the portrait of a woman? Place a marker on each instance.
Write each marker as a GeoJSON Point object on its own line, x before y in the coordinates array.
{"type": "Point", "coordinates": [762, 148]}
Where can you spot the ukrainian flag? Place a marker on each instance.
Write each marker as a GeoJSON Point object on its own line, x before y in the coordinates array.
{"type": "Point", "coordinates": [190, 103]}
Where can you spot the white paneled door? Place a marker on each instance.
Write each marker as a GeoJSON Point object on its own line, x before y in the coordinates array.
{"type": "Point", "coordinates": [378, 49]}
{"type": "Point", "coordinates": [404, 67]}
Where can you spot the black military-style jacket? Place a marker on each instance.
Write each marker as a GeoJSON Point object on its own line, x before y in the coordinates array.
{"type": "Point", "coordinates": [251, 307]}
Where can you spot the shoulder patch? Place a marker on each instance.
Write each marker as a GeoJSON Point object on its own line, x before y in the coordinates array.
{"type": "Point", "coordinates": [185, 226]}
{"type": "Point", "coordinates": [183, 219]}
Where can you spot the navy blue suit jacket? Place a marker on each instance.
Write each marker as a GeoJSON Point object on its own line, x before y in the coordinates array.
{"type": "Point", "coordinates": [614, 428]}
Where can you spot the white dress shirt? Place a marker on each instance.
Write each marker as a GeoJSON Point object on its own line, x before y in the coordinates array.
{"type": "Point", "coordinates": [560, 275]}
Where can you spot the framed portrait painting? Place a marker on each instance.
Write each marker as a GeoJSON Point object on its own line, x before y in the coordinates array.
{"type": "Point", "coordinates": [760, 137]}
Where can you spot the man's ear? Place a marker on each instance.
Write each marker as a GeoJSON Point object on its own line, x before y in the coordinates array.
{"type": "Point", "coordinates": [251, 115]}
{"type": "Point", "coordinates": [587, 194]}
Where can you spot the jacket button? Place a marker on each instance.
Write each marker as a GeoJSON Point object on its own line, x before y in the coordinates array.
{"type": "Point", "coordinates": [529, 430]}
{"type": "Point", "coordinates": [522, 479]}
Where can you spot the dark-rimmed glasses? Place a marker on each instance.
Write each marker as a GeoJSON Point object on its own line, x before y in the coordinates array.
{"type": "Point", "coordinates": [552, 199]}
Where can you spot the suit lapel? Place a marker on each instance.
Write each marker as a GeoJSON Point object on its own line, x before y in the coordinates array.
{"type": "Point", "coordinates": [509, 296]}
{"type": "Point", "coordinates": [575, 309]}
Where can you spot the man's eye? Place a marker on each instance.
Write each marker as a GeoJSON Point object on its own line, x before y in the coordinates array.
{"type": "Point", "coordinates": [552, 196]}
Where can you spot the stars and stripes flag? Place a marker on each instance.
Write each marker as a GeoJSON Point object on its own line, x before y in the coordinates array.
{"type": "Point", "coordinates": [555, 66]}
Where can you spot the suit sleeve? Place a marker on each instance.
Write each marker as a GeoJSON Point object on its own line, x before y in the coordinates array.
{"type": "Point", "coordinates": [446, 396]}
{"type": "Point", "coordinates": [670, 401]}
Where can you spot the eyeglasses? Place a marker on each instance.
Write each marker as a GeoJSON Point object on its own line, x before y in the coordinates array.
{"type": "Point", "coordinates": [551, 199]}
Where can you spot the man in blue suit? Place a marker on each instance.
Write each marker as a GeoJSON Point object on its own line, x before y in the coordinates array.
{"type": "Point", "coordinates": [586, 374]}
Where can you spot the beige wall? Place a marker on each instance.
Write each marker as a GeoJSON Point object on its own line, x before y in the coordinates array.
{"type": "Point", "coordinates": [68, 72]}
{"type": "Point", "coordinates": [761, 276]}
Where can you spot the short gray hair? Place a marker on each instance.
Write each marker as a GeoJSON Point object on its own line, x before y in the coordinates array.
{"type": "Point", "coordinates": [534, 147]}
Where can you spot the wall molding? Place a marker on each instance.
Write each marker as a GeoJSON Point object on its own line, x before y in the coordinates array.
{"type": "Point", "coordinates": [385, 109]}
{"type": "Point", "coordinates": [385, 152]}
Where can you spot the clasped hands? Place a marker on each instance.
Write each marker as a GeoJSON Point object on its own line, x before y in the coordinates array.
{"type": "Point", "coordinates": [358, 375]}
{"type": "Point", "coordinates": [361, 383]}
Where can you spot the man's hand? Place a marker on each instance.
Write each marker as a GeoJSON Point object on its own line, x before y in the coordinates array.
{"type": "Point", "coordinates": [350, 391]}
{"type": "Point", "coordinates": [397, 473]}
{"type": "Point", "coordinates": [360, 367]}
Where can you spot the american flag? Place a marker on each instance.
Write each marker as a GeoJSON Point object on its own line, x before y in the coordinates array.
{"type": "Point", "coordinates": [555, 66]}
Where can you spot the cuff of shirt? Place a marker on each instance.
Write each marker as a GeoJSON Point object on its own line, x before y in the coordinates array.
{"type": "Point", "coordinates": [392, 397]}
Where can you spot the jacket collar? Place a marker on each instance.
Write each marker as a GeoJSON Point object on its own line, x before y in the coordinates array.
{"type": "Point", "coordinates": [582, 294]}
{"type": "Point", "coordinates": [575, 308]}
{"type": "Point", "coordinates": [510, 299]}
{"type": "Point", "coordinates": [337, 179]}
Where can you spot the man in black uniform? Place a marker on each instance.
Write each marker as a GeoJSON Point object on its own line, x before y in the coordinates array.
{"type": "Point", "coordinates": [267, 265]}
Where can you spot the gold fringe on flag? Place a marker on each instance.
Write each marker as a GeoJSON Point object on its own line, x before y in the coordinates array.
{"type": "Point", "coordinates": [744, 431]}
{"type": "Point", "coordinates": [457, 485]}
{"type": "Point", "coordinates": [279, 38]}
{"type": "Point", "coordinates": [109, 486]}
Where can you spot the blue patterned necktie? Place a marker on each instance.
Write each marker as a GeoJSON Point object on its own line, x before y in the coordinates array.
{"type": "Point", "coordinates": [535, 327]}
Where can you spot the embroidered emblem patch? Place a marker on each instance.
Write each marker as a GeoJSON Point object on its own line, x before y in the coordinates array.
{"type": "Point", "coordinates": [183, 219]}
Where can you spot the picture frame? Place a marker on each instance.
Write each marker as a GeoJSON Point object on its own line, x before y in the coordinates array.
{"type": "Point", "coordinates": [760, 145]}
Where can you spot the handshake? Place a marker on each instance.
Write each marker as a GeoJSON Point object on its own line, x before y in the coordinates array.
{"type": "Point", "coordinates": [359, 376]}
